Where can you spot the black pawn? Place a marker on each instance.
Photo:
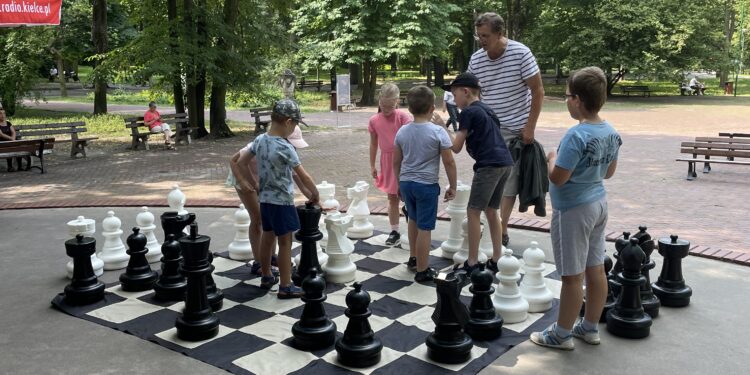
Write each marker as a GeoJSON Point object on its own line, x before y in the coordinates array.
{"type": "Point", "coordinates": [358, 347]}
{"type": "Point", "coordinates": [172, 284]}
{"type": "Point", "coordinates": [309, 234]}
{"type": "Point", "coordinates": [449, 343]}
{"type": "Point", "coordinates": [484, 323]}
{"type": "Point", "coordinates": [138, 275]}
{"type": "Point", "coordinates": [620, 244]}
{"type": "Point", "coordinates": [314, 330]}
{"type": "Point", "coordinates": [649, 301]}
{"type": "Point", "coordinates": [627, 318]}
{"type": "Point", "coordinates": [215, 295]}
{"type": "Point", "coordinates": [197, 322]}
{"type": "Point", "coordinates": [670, 287]}
{"type": "Point", "coordinates": [84, 288]}
{"type": "Point", "coordinates": [610, 302]}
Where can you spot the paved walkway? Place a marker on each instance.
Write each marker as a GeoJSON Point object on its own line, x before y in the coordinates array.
{"type": "Point", "coordinates": [649, 188]}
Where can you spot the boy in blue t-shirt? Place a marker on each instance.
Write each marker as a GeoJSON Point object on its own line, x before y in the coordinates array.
{"type": "Point", "coordinates": [419, 146]}
{"type": "Point", "coordinates": [277, 159]}
{"type": "Point", "coordinates": [586, 156]}
{"type": "Point", "coordinates": [480, 130]}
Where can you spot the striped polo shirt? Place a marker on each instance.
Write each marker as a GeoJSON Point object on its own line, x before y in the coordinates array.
{"type": "Point", "coordinates": [503, 83]}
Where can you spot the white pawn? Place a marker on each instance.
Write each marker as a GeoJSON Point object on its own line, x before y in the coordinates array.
{"type": "Point", "coordinates": [240, 248]}
{"type": "Point", "coordinates": [485, 243]}
{"type": "Point", "coordinates": [113, 252]}
{"type": "Point", "coordinates": [145, 221]}
{"type": "Point", "coordinates": [86, 227]}
{"type": "Point", "coordinates": [339, 268]}
{"type": "Point", "coordinates": [176, 200]}
{"type": "Point", "coordinates": [508, 301]}
{"type": "Point", "coordinates": [359, 210]}
{"type": "Point", "coordinates": [463, 253]}
{"type": "Point", "coordinates": [457, 211]}
{"type": "Point", "coordinates": [533, 287]}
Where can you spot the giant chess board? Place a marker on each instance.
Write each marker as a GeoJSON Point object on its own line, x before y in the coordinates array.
{"type": "Point", "coordinates": [255, 335]}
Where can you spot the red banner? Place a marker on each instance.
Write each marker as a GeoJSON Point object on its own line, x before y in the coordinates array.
{"type": "Point", "coordinates": [30, 12]}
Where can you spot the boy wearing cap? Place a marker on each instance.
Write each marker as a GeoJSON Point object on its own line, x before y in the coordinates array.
{"type": "Point", "coordinates": [277, 159]}
{"type": "Point", "coordinates": [480, 130]}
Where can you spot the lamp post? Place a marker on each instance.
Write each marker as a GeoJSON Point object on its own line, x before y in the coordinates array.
{"type": "Point", "coordinates": [742, 48]}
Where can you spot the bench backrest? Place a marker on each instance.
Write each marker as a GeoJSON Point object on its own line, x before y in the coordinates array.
{"type": "Point", "coordinates": [259, 112]}
{"type": "Point", "coordinates": [633, 87]}
{"type": "Point", "coordinates": [34, 146]}
{"type": "Point", "coordinates": [740, 141]}
{"type": "Point", "coordinates": [174, 118]}
{"type": "Point", "coordinates": [711, 149]}
{"type": "Point", "coordinates": [43, 130]}
{"type": "Point", "coordinates": [715, 146]}
{"type": "Point", "coordinates": [735, 135]}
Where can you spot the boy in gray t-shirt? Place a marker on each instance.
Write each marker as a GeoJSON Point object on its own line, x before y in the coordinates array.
{"type": "Point", "coordinates": [419, 146]}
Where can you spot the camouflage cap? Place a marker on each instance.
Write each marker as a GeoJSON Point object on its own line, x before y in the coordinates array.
{"type": "Point", "coordinates": [288, 108]}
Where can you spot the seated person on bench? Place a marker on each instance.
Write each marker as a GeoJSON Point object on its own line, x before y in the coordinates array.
{"type": "Point", "coordinates": [8, 133]}
{"type": "Point", "coordinates": [152, 119]}
{"type": "Point", "coordinates": [697, 86]}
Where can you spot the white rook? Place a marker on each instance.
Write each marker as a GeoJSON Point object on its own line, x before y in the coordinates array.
{"type": "Point", "coordinates": [86, 227]}
{"type": "Point", "coordinates": [457, 211]}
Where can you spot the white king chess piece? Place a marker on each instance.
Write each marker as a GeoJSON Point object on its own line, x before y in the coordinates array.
{"type": "Point", "coordinates": [339, 268]}
{"type": "Point", "coordinates": [240, 248]}
{"type": "Point", "coordinates": [457, 211]}
{"type": "Point", "coordinates": [86, 227]}
{"type": "Point", "coordinates": [145, 221]}
{"type": "Point", "coordinates": [113, 252]}
{"type": "Point", "coordinates": [359, 210]}
{"type": "Point", "coordinates": [533, 287]}
{"type": "Point", "coordinates": [508, 301]}
{"type": "Point", "coordinates": [176, 201]}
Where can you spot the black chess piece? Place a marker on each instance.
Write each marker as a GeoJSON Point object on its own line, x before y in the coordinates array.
{"type": "Point", "coordinates": [670, 287]}
{"type": "Point", "coordinates": [197, 322]}
{"type": "Point", "coordinates": [449, 343]}
{"type": "Point", "coordinates": [309, 235]}
{"type": "Point", "coordinates": [610, 296]}
{"type": "Point", "coordinates": [84, 288]}
{"type": "Point", "coordinates": [484, 323]}
{"type": "Point", "coordinates": [620, 244]}
{"type": "Point", "coordinates": [173, 223]}
{"type": "Point", "coordinates": [138, 275]}
{"type": "Point", "coordinates": [358, 347]}
{"type": "Point", "coordinates": [649, 301]}
{"type": "Point", "coordinates": [314, 330]}
{"type": "Point", "coordinates": [171, 285]}
{"type": "Point", "coordinates": [215, 295]}
{"type": "Point", "coordinates": [627, 318]}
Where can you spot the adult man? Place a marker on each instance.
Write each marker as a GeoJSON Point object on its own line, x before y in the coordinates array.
{"type": "Point", "coordinates": [512, 87]}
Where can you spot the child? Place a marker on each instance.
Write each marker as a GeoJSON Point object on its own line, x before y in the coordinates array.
{"type": "Point", "coordinates": [276, 160]}
{"type": "Point", "coordinates": [249, 195]}
{"type": "Point", "coordinates": [383, 127]}
{"type": "Point", "coordinates": [480, 130]}
{"type": "Point", "coordinates": [449, 101]}
{"type": "Point", "coordinates": [152, 119]}
{"type": "Point", "coordinates": [587, 154]}
{"type": "Point", "coordinates": [419, 146]}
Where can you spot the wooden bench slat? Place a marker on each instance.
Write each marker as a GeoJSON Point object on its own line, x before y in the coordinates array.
{"type": "Point", "coordinates": [736, 154]}
{"type": "Point", "coordinates": [716, 146]}
{"type": "Point", "coordinates": [723, 140]}
{"type": "Point", "coordinates": [712, 161]}
{"type": "Point", "coordinates": [52, 125]}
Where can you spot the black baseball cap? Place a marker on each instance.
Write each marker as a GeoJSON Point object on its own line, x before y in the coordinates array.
{"type": "Point", "coordinates": [465, 79]}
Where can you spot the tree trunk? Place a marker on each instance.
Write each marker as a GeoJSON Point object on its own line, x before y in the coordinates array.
{"type": "Point", "coordinates": [218, 119]}
{"type": "Point", "coordinates": [191, 73]}
{"type": "Point", "coordinates": [370, 75]}
{"type": "Point", "coordinates": [428, 62]}
{"type": "Point", "coordinates": [730, 19]}
{"type": "Point", "coordinates": [439, 73]}
{"type": "Point", "coordinates": [177, 91]}
{"type": "Point", "coordinates": [394, 64]}
{"type": "Point", "coordinates": [200, 85]}
{"type": "Point", "coordinates": [99, 37]}
{"type": "Point", "coordinates": [355, 73]}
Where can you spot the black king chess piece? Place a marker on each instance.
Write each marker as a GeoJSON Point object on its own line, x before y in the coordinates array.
{"type": "Point", "coordinates": [649, 301]}
{"type": "Point", "coordinates": [309, 235]}
{"type": "Point", "coordinates": [627, 318]}
{"type": "Point", "coordinates": [172, 284]}
{"type": "Point", "coordinates": [84, 288]}
{"type": "Point", "coordinates": [358, 347]}
{"type": "Point", "coordinates": [197, 322]}
{"type": "Point", "coordinates": [484, 323]}
{"type": "Point", "coordinates": [215, 295]}
{"type": "Point", "coordinates": [138, 275]}
{"type": "Point", "coordinates": [314, 330]}
{"type": "Point", "coordinates": [449, 343]}
{"type": "Point", "coordinates": [670, 287]}
{"type": "Point", "coordinates": [620, 244]}
{"type": "Point", "coordinates": [173, 223]}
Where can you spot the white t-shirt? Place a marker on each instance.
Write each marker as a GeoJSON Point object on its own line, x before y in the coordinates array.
{"type": "Point", "coordinates": [503, 82]}
{"type": "Point", "coordinates": [449, 98]}
{"type": "Point", "coordinates": [693, 82]}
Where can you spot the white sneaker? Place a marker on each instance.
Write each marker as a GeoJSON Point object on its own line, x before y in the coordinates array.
{"type": "Point", "coordinates": [590, 337]}
{"type": "Point", "coordinates": [549, 338]}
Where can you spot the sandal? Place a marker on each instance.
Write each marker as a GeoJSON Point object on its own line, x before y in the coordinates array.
{"type": "Point", "coordinates": [170, 146]}
{"type": "Point", "coordinates": [506, 239]}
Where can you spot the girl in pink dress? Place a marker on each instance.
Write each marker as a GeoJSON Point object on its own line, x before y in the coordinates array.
{"type": "Point", "coordinates": [383, 127]}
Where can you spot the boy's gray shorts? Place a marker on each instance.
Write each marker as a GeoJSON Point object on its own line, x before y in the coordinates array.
{"type": "Point", "coordinates": [487, 187]}
{"type": "Point", "coordinates": [578, 237]}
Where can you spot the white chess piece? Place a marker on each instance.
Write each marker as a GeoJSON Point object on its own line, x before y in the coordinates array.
{"type": "Point", "coordinates": [145, 221]}
{"type": "Point", "coordinates": [113, 252]}
{"type": "Point", "coordinates": [359, 210]}
{"type": "Point", "coordinates": [327, 191]}
{"type": "Point", "coordinates": [463, 253]}
{"type": "Point", "coordinates": [533, 287]}
{"type": "Point", "coordinates": [485, 243]}
{"type": "Point", "coordinates": [240, 248]}
{"type": "Point", "coordinates": [176, 200]}
{"type": "Point", "coordinates": [86, 227]}
{"type": "Point", "coordinates": [339, 268]}
{"type": "Point", "coordinates": [457, 211]}
{"type": "Point", "coordinates": [508, 301]}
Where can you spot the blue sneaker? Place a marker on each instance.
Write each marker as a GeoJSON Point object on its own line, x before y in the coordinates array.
{"type": "Point", "coordinates": [255, 269]}
{"type": "Point", "coordinates": [590, 337]}
{"type": "Point", "coordinates": [550, 339]}
{"type": "Point", "coordinates": [267, 282]}
{"type": "Point", "coordinates": [290, 291]}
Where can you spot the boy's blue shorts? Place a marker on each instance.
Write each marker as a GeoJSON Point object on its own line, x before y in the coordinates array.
{"type": "Point", "coordinates": [421, 202]}
{"type": "Point", "coordinates": [281, 219]}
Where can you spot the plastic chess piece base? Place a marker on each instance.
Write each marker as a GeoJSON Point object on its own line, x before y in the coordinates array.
{"type": "Point", "coordinates": [484, 330]}
{"type": "Point", "coordinates": [672, 297]}
{"type": "Point", "coordinates": [173, 292]}
{"type": "Point", "coordinates": [114, 262]}
{"type": "Point", "coordinates": [199, 330]}
{"type": "Point", "coordinates": [138, 283]}
{"type": "Point", "coordinates": [630, 328]}
{"type": "Point", "coordinates": [312, 338]}
{"type": "Point", "coordinates": [216, 300]}
{"type": "Point", "coordinates": [84, 296]}
{"type": "Point", "coordinates": [450, 352]}
{"type": "Point", "coordinates": [651, 306]}
{"type": "Point", "coordinates": [359, 356]}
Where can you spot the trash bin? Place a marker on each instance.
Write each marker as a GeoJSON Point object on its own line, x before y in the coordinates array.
{"type": "Point", "coordinates": [728, 88]}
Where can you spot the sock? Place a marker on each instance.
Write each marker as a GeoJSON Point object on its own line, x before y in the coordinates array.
{"type": "Point", "coordinates": [394, 227]}
{"type": "Point", "coordinates": [561, 332]}
{"type": "Point", "coordinates": [588, 326]}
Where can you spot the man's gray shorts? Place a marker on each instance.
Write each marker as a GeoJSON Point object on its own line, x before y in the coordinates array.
{"type": "Point", "coordinates": [578, 237]}
{"type": "Point", "coordinates": [511, 186]}
{"type": "Point", "coordinates": [487, 187]}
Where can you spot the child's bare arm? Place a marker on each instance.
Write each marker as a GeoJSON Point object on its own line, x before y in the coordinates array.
{"type": "Point", "coordinates": [611, 169]}
{"type": "Point", "coordinates": [373, 154]}
{"type": "Point", "coordinates": [239, 166]}
{"type": "Point", "coordinates": [308, 183]}
{"type": "Point", "coordinates": [450, 169]}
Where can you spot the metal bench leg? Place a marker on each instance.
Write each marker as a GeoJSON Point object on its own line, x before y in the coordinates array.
{"type": "Point", "coordinates": [78, 147]}
{"type": "Point", "coordinates": [706, 167]}
{"type": "Point", "coordinates": [691, 171]}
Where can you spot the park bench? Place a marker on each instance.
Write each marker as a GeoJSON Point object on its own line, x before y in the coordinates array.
{"type": "Point", "coordinates": [685, 89]}
{"type": "Point", "coordinates": [262, 117]}
{"type": "Point", "coordinates": [303, 83]}
{"type": "Point", "coordinates": [178, 123]}
{"type": "Point", "coordinates": [735, 136]}
{"type": "Point", "coordinates": [707, 147]}
{"type": "Point", "coordinates": [27, 148]}
{"type": "Point", "coordinates": [627, 89]}
{"type": "Point", "coordinates": [69, 129]}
